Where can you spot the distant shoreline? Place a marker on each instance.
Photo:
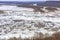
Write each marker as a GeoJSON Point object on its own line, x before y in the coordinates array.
{"type": "Point", "coordinates": [39, 3]}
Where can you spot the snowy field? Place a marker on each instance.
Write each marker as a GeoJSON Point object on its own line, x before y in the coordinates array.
{"type": "Point", "coordinates": [25, 23]}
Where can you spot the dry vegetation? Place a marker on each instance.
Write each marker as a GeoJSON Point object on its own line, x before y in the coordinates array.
{"type": "Point", "coordinates": [51, 8]}
{"type": "Point", "coordinates": [55, 36]}
{"type": "Point", "coordinates": [38, 10]}
{"type": "Point", "coordinates": [1, 12]}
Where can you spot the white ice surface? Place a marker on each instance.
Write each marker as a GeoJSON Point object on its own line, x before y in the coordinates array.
{"type": "Point", "coordinates": [22, 29]}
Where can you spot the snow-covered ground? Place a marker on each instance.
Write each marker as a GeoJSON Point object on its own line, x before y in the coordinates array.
{"type": "Point", "coordinates": [24, 23]}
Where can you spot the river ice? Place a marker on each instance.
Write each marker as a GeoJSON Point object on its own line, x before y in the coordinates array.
{"type": "Point", "coordinates": [26, 24]}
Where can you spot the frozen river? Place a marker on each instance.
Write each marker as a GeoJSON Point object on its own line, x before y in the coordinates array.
{"type": "Point", "coordinates": [26, 24]}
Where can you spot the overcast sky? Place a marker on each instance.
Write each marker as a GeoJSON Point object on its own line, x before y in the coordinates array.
{"type": "Point", "coordinates": [22, 0]}
{"type": "Point", "coordinates": [29, 0]}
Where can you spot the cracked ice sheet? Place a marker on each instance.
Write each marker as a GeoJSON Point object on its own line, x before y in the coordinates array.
{"type": "Point", "coordinates": [26, 33]}
{"type": "Point", "coordinates": [20, 33]}
{"type": "Point", "coordinates": [14, 8]}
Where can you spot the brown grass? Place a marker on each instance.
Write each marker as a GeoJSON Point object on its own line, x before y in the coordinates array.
{"type": "Point", "coordinates": [51, 8]}
{"type": "Point", "coordinates": [38, 10]}
{"type": "Point", "coordinates": [55, 36]}
{"type": "Point", "coordinates": [1, 11]}
{"type": "Point", "coordinates": [13, 38]}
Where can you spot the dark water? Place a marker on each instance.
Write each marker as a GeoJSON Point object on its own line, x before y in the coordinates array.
{"type": "Point", "coordinates": [47, 3]}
